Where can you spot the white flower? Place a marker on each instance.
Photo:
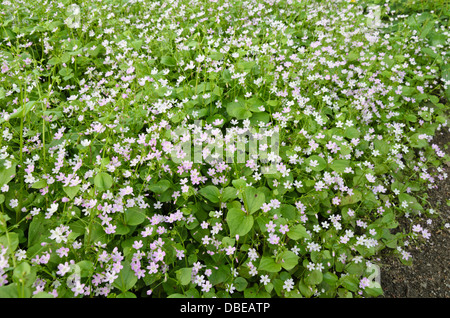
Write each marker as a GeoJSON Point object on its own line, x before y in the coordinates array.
{"type": "Point", "coordinates": [200, 58]}
{"type": "Point", "coordinates": [35, 211]}
{"type": "Point", "coordinates": [265, 279]}
{"type": "Point", "coordinates": [357, 259]}
{"type": "Point", "coordinates": [85, 142]}
{"type": "Point", "coordinates": [7, 164]}
{"type": "Point", "coordinates": [319, 267]}
{"type": "Point", "coordinates": [21, 254]}
{"type": "Point", "coordinates": [63, 269]}
{"type": "Point", "coordinates": [13, 203]}
{"type": "Point", "coordinates": [288, 284]}
{"type": "Point", "coordinates": [73, 19]}
{"type": "Point", "coordinates": [158, 205]}
{"type": "Point", "coordinates": [313, 163]}
{"type": "Point", "coordinates": [59, 234]}
{"type": "Point", "coordinates": [53, 208]}
{"type": "Point", "coordinates": [370, 177]}
{"type": "Point", "coordinates": [29, 178]}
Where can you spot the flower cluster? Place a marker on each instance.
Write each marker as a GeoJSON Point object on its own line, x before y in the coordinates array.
{"type": "Point", "coordinates": [209, 148]}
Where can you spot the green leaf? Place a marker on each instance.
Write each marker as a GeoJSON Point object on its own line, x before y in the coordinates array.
{"type": "Point", "coordinates": [340, 165]}
{"type": "Point", "coordinates": [373, 291]}
{"type": "Point", "coordinates": [211, 193]}
{"type": "Point", "coordinates": [134, 216]}
{"type": "Point", "coordinates": [126, 279]}
{"type": "Point", "coordinates": [66, 71]}
{"type": "Point", "coordinates": [417, 142]}
{"type": "Point", "coordinates": [229, 193]}
{"type": "Point", "coordinates": [184, 275]}
{"type": "Point", "coordinates": [217, 56]}
{"type": "Point", "coordinates": [240, 283]}
{"type": "Point", "coordinates": [10, 240]}
{"type": "Point", "coordinates": [218, 91]}
{"type": "Point", "coordinates": [86, 268]}
{"type": "Point", "coordinates": [177, 295]}
{"type": "Point", "coordinates": [64, 58]}
{"type": "Point", "coordinates": [260, 117]}
{"type": "Point", "coordinates": [9, 291]}
{"type": "Point", "coordinates": [21, 270]}
{"type": "Point", "coordinates": [160, 186]}
{"type": "Point", "coordinates": [353, 55]}
{"type": "Point", "coordinates": [410, 200]}
{"type": "Point", "coordinates": [226, 75]}
{"type": "Point", "coordinates": [36, 230]}
{"type": "Point", "coordinates": [351, 132]}
{"type": "Point", "coordinates": [438, 38]}
{"type": "Point", "coordinates": [316, 163]}
{"type": "Point", "coordinates": [126, 294]}
{"type": "Point", "coordinates": [350, 282]}
{"type": "Point", "coordinates": [288, 260]}
{"type": "Point", "coordinates": [344, 293]}
{"type": "Point", "coordinates": [350, 199]}
{"type": "Point", "coordinates": [297, 232]}
{"type": "Point", "coordinates": [39, 184]}
{"type": "Point", "coordinates": [137, 44]}
{"type": "Point", "coordinates": [239, 222]}
{"type": "Point", "coordinates": [96, 233]}
{"type": "Point", "coordinates": [238, 183]}
{"type": "Point", "coordinates": [54, 61]}
{"type": "Point", "coordinates": [228, 241]}
{"type": "Point", "coordinates": [43, 295]}
{"type": "Point", "coordinates": [410, 117]}
{"type": "Point", "coordinates": [273, 102]}
{"type": "Point", "coordinates": [408, 91]}
{"type": "Point", "coordinates": [168, 61]}
{"type": "Point", "coordinates": [381, 145]}
{"type": "Point", "coordinates": [268, 264]}
{"type": "Point", "coordinates": [253, 200]}
{"type": "Point", "coordinates": [238, 110]}
{"type": "Point", "coordinates": [71, 191]}
{"type": "Point", "coordinates": [103, 181]}
{"type": "Point", "coordinates": [246, 66]}
{"type": "Point", "coordinates": [381, 169]}
{"type": "Point", "coordinates": [255, 292]}
{"type": "Point", "coordinates": [220, 275]}
{"type": "Point", "coordinates": [355, 268]}
{"type": "Point", "coordinates": [314, 277]}
{"type": "Point", "coordinates": [330, 278]}
{"type": "Point", "coordinates": [7, 175]}
{"type": "Point", "coordinates": [288, 211]}
{"type": "Point", "coordinates": [305, 289]}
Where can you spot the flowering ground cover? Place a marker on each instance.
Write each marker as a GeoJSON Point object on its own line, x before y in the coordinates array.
{"type": "Point", "coordinates": [256, 148]}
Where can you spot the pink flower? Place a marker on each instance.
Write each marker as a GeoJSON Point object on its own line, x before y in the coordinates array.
{"type": "Point", "coordinates": [152, 268]}
{"type": "Point", "coordinates": [273, 239]}
{"type": "Point", "coordinates": [364, 282]}
{"type": "Point", "coordinates": [336, 200]}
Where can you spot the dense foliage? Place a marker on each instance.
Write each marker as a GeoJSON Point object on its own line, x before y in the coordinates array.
{"type": "Point", "coordinates": [99, 199]}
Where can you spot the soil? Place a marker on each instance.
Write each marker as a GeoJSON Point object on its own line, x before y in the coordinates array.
{"type": "Point", "coordinates": [429, 274]}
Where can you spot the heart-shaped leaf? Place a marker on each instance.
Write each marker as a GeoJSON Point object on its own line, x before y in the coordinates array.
{"type": "Point", "coordinates": [103, 181]}
{"type": "Point", "coordinates": [239, 222]}
{"type": "Point", "coordinates": [253, 200]}
{"type": "Point", "coordinates": [160, 186]}
{"type": "Point", "coordinates": [211, 193]}
{"type": "Point", "coordinates": [134, 216]}
{"type": "Point", "coordinates": [268, 264]}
